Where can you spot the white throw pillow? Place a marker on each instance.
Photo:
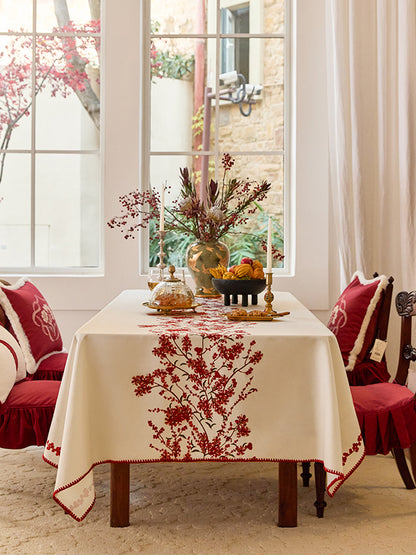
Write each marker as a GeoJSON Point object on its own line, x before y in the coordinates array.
{"type": "Point", "coordinates": [12, 363]}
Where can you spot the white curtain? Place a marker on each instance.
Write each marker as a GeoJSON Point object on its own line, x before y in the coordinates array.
{"type": "Point", "coordinates": [371, 48]}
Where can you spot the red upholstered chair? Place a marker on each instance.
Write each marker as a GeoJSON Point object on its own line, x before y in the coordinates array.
{"type": "Point", "coordinates": [30, 353]}
{"type": "Point", "coordinates": [387, 411]}
{"type": "Point", "coordinates": [359, 317]}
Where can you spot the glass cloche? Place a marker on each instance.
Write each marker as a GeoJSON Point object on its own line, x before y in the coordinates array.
{"type": "Point", "coordinates": [172, 294]}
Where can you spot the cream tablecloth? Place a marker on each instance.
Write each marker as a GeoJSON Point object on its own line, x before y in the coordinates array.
{"type": "Point", "coordinates": [143, 387]}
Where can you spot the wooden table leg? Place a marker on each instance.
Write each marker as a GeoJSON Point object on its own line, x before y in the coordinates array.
{"type": "Point", "coordinates": [320, 482]}
{"type": "Point", "coordinates": [288, 494]}
{"type": "Point", "coordinates": [120, 495]}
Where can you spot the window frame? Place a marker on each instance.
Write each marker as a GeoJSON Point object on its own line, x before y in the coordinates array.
{"type": "Point", "coordinates": [256, 24]}
{"type": "Point", "coordinates": [75, 298]}
{"type": "Point", "coordinates": [228, 59]}
{"type": "Point", "coordinates": [33, 268]}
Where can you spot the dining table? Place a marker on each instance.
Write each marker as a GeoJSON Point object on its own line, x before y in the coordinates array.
{"type": "Point", "coordinates": [145, 386]}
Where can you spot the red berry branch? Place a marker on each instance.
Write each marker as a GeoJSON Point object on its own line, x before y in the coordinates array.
{"type": "Point", "coordinates": [202, 381]}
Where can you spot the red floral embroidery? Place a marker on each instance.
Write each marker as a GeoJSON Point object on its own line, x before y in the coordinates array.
{"type": "Point", "coordinates": [85, 494]}
{"type": "Point", "coordinates": [51, 447]}
{"type": "Point", "coordinates": [210, 319]}
{"type": "Point", "coordinates": [339, 316]}
{"type": "Point", "coordinates": [203, 380]}
{"type": "Point", "coordinates": [354, 449]}
{"type": "Point", "coordinates": [43, 317]}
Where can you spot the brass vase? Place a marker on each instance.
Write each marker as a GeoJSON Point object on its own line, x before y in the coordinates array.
{"type": "Point", "coordinates": [202, 255]}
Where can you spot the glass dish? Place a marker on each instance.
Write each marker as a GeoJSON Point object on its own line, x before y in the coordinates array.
{"type": "Point", "coordinates": [172, 294]}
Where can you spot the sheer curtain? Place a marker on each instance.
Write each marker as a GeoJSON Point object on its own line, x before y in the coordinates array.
{"type": "Point", "coordinates": [371, 49]}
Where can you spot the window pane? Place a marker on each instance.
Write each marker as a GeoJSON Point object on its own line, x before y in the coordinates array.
{"type": "Point", "coordinates": [274, 17]}
{"type": "Point", "coordinates": [242, 240]}
{"type": "Point", "coordinates": [15, 212]}
{"type": "Point", "coordinates": [253, 117]}
{"type": "Point", "coordinates": [16, 16]}
{"type": "Point", "coordinates": [180, 16]}
{"type": "Point", "coordinates": [80, 12]}
{"type": "Point", "coordinates": [15, 92]}
{"type": "Point", "coordinates": [67, 118]}
{"type": "Point", "coordinates": [69, 99]}
{"type": "Point", "coordinates": [257, 15]}
{"type": "Point", "coordinates": [172, 85]}
{"type": "Point", "coordinates": [67, 214]}
{"type": "Point", "coordinates": [166, 168]}
{"type": "Point", "coordinates": [245, 238]}
{"type": "Point", "coordinates": [245, 106]}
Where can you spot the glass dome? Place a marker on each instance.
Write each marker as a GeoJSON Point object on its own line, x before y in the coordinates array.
{"type": "Point", "coordinates": [172, 293]}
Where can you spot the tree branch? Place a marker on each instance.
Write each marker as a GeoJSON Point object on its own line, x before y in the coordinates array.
{"type": "Point", "coordinates": [87, 97]}
{"type": "Point", "coordinates": [95, 9]}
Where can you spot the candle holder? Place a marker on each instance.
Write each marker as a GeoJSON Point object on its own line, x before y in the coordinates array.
{"type": "Point", "coordinates": [268, 296]}
{"type": "Point", "coordinates": [161, 264]}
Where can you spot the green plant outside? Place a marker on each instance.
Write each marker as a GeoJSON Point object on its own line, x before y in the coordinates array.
{"type": "Point", "coordinates": [240, 243]}
{"type": "Point", "coordinates": [168, 65]}
{"type": "Point", "coordinates": [174, 66]}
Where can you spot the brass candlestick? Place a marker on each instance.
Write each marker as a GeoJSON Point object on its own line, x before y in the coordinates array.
{"type": "Point", "coordinates": [268, 296]}
{"type": "Point", "coordinates": [161, 264]}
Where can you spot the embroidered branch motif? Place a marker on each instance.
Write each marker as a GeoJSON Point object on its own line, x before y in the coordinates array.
{"type": "Point", "coordinates": [44, 318]}
{"type": "Point", "coordinates": [353, 449]}
{"type": "Point", "coordinates": [50, 446]}
{"type": "Point", "coordinates": [85, 494]}
{"type": "Point", "coordinates": [202, 381]}
{"type": "Point", "coordinates": [338, 317]}
{"type": "Point", "coordinates": [210, 320]}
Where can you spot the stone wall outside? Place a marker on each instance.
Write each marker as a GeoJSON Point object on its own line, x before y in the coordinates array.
{"type": "Point", "coordinates": [263, 129]}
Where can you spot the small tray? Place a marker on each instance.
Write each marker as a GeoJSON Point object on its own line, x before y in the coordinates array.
{"type": "Point", "coordinates": [249, 318]}
{"type": "Point", "coordinates": [168, 309]}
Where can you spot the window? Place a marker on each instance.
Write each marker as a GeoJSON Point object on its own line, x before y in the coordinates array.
{"type": "Point", "coordinates": [127, 162]}
{"type": "Point", "coordinates": [49, 133]}
{"type": "Point", "coordinates": [226, 37]}
{"type": "Point", "coordinates": [235, 52]}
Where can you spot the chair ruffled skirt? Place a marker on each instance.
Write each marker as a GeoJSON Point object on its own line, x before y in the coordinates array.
{"type": "Point", "coordinates": [387, 416]}
{"type": "Point", "coordinates": [26, 415]}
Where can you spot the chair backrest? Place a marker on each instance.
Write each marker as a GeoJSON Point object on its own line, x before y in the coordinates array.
{"type": "Point", "coordinates": [384, 314]}
{"type": "Point", "coordinates": [406, 308]}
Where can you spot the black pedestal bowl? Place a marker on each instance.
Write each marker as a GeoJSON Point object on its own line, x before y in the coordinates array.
{"type": "Point", "coordinates": [231, 288]}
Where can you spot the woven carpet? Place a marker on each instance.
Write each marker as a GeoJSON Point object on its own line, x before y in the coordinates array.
{"type": "Point", "coordinates": [206, 508]}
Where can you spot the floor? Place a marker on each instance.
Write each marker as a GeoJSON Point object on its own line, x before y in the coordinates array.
{"type": "Point", "coordinates": [205, 508]}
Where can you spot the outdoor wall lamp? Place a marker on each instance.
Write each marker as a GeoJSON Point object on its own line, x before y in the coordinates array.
{"type": "Point", "coordinates": [239, 92]}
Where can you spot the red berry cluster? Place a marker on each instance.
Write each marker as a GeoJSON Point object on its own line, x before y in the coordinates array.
{"type": "Point", "coordinates": [202, 381]}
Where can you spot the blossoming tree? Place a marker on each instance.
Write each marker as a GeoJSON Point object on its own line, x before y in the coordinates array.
{"type": "Point", "coordinates": [60, 66]}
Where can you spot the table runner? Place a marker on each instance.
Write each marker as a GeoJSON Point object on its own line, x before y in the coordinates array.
{"type": "Point", "coordinates": [144, 387]}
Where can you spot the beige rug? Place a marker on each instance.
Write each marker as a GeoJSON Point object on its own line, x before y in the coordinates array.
{"type": "Point", "coordinates": [206, 508]}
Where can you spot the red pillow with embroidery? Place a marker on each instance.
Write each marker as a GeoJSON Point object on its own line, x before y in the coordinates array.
{"type": "Point", "coordinates": [354, 317]}
{"type": "Point", "coordinates": [32, 321]}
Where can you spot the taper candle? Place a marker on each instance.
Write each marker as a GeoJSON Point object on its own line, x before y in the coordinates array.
{"type": "Point", "coordinates": [162, 209]}
{"type": "Point", "coordinates": [269, 247]}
